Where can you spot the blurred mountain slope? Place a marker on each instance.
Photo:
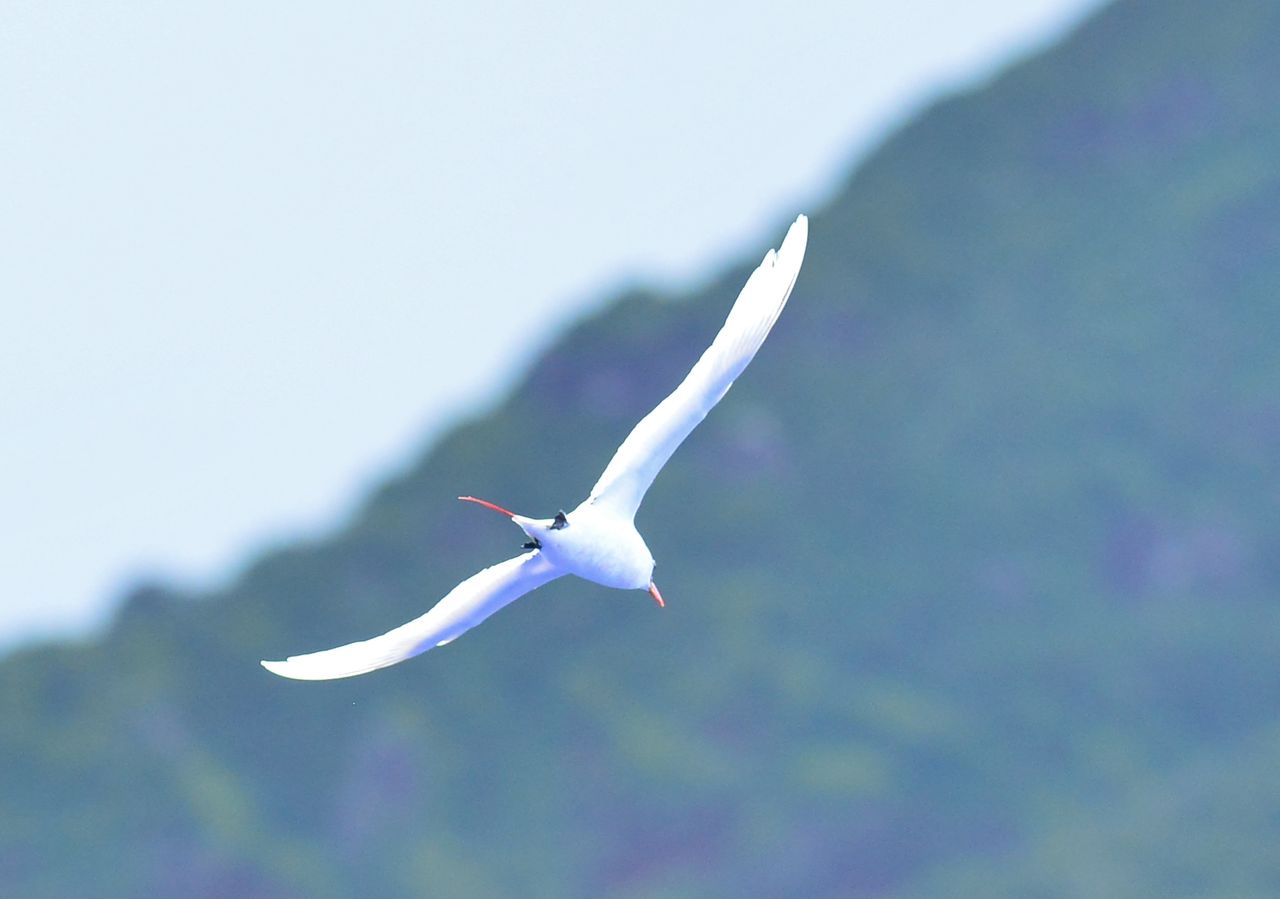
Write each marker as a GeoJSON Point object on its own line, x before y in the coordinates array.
{"type": "Point", "coordinates": [972, 580]}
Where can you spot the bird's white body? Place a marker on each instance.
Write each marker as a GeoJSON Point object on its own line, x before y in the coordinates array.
{"type": "Point", "coordinates": [598, 540]}
{"type": "Point", "coordinates": [597, 544]}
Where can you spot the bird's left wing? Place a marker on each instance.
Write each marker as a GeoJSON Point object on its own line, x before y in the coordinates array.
{"type": "Point", "coordinates": [465, 606]}
{"type": "Point", "coordinates": [651, 443]}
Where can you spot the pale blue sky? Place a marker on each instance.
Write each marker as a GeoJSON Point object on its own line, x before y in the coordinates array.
{"type": "Point", "coordinates": [252, 256]}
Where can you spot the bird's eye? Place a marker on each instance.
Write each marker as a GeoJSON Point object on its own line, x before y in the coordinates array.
{"type": "Point", "coordinates": [560, 522]}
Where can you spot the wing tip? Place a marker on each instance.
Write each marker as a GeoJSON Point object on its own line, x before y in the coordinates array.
{"type": "Point", "coordinates": [293, 671]}
{"type": "Point", "coordinates": [290, 669]}
{"type": "Point", "coordinates": [799, 230]}
{"type": "Point", "coordinates": [279, 668]}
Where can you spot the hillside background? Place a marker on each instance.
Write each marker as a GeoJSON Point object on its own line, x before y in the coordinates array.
{"type": "Point", "coordinates": [972, 583]}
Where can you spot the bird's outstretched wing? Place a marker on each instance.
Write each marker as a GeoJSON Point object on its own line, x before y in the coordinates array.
{"type": "Point", "coordinates": [651, 443]}
{"type": "Point", "coordinates": [465, 606]}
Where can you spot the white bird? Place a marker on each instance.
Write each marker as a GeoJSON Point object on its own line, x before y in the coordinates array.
{"type": "Point", "coordinates": [598, 540]}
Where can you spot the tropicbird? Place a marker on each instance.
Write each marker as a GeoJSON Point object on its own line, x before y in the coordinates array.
{"type": "Point", "coordinates": [598, 540]}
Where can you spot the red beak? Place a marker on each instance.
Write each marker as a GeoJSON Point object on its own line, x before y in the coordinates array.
{"type": "Point", "coordinates": [487, 505]}
{"type": "Point", "coordinates": [657, 597]}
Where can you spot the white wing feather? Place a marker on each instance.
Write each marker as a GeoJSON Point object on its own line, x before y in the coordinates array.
{"type": "Point", "coordinates": [651, 443]}
{"type": "Point", "coordinates": [465, 606]}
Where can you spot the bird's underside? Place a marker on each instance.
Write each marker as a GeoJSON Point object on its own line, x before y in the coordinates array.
{"type": "Point", "coordinates": [597, 540]}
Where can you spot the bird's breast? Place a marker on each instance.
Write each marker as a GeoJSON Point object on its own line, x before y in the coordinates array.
{"type": "Point", "coordinates": [602, 549]}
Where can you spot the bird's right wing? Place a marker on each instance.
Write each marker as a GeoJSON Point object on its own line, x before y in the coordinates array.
{"type": "Point", "coordinates": [465, 606]}
{"type": "Point", "coordinates": [651, 443]}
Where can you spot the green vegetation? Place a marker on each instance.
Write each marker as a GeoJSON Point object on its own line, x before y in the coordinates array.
{"type": "Point", "coordinates": [973, 586]}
